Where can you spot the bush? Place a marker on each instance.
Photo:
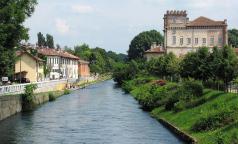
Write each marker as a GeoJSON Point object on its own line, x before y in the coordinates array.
{"type": "Point", "coordinates": [214, 121]}
{"type": "Point", "coordinates": [51, 96]}
{"type": "Point", "coordinates": [27, 97]}
{"type": "Point", "coordinates": [179, 106]}
{"type": "Point", "coordinates": [66, 92]}
{"type": "Point", "coordinates": [169, 105]}
{"type": "Point", "coordinates": [193, 87]}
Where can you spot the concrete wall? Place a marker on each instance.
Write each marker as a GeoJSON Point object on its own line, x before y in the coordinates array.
{"type": "Point", "coordinates": [9, 105]}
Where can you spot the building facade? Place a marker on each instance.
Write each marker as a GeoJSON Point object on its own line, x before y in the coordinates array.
{"type": "Point", "coordinates": [84, 70]}
{"type": "Point", "coordinates": [154, 52]}
{"type": "Point", "coordinates": [60, 63]}
{"type": "Point", "coordinates": [28, 66]}
{"type": "Point", "coordinates": [183, 36]}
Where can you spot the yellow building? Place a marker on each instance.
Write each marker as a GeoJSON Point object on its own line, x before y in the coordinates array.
{"type": "Point", "coordinates": [28, 67]}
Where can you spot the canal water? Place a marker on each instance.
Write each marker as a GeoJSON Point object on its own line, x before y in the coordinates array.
{"type": "Point", "coordinates": [98, 114]}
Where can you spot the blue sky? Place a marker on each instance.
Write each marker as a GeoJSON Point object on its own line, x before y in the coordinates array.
{"type": "Point", "coordinates": [112, 24]}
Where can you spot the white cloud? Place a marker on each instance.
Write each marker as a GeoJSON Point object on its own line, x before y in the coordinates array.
{"type": "Point", "coordinates": [62, 26]}
{"type": "Point", "coordinates": [82, 8]}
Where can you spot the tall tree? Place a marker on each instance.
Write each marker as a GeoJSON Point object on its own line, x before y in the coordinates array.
{"type": "Point", "coordinates": [41, 40]}
{"type": "Point", "coordinates": [233, 37]}
{"type": "Point", "coordinates": [143, 42]}
{"type": "Point", "coordinates": [50, 41]}
{"type": "Point", "coordinates": [13, 13]}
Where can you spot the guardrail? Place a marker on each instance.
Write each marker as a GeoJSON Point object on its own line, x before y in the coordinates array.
{"type": "Point", "coordinates": [43, 86]}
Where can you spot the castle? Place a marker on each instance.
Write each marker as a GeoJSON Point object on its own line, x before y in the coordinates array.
{"type": "Point", "coordinates": [183, 35]}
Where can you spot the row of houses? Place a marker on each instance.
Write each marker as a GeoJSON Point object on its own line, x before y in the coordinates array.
{"type": "Point", "coordinates": [48, 64]}
{"type": "Point", "coordinates": [182, 35]}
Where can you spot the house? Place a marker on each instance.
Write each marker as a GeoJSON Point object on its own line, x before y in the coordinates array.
{"type": "Point", "coordinates": [29, 67]}
{"type": "Point", "coordinates": [154, 52]}
{"type": "Point", "coordinates": [183, 35]}
{"type": "Point", "coordinates": [83, 68]}
{"type": "Point", "coordinates": [61, 64]}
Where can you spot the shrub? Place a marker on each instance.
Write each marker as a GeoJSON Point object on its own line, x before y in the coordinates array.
{"type": "Point", "coordinates": [27, 97]}
{"type": "Point", "coordinates": [214, 121]}
{"type": "Point", "coordinates": [66, 92]}
{"type": "Point", "coordinates": [51, 96]}
{"type": "Point", "coordinates": [169, 105]}
{"type": "Point", "coordinates": [179, 106]}
{"type": "Point", "coordinates": [160, 82]}
{"type": "Point", "coordinates": [193, 87]}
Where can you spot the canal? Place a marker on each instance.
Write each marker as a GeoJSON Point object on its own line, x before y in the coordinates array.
{"type": "Point", "coordinates": [98, 114]}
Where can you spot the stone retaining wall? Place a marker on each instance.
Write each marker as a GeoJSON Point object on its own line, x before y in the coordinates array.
{"type": "Point", "coordinates": [184, 136]}
{"type": "Point", "coordinates": [10, 105]}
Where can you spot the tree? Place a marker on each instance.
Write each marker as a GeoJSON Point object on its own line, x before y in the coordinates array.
{"type": "Point", "coordinates": [233, 37]}
{"type": "Point", "coordinates": [13, 13]}
{"type": "Point", "coordinates": [143, 42]}
{"type": "Point", "coordinates": [41, 40]}
{"type": "Point", "coordinates": [197, 65]}
{"type": "Point", "coordinates": [50, 41]}
{"type": "Point", "coordinates": [227, 69]}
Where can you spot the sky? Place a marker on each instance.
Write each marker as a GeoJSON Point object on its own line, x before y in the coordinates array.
{"type": "Point", "coordinates": [112, 24]}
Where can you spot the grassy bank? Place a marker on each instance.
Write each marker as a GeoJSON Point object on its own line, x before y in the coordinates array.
{"type": "Point", "coordinates": [209, 116]}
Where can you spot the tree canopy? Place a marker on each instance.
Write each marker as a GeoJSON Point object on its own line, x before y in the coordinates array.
{"type": "Point", "coordinates": [46, 42]}
{"type": "Point", "coordinates": [143, 42]}
{"type": "Point", "coordinates": [100, 60]}
{"type": "Point", "coordinates": [233, 37]}
{"type": "Point", "coordinates": [13, 13]}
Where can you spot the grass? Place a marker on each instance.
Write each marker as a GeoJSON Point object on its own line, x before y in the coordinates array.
{"type": "Point", "coordinates": [215, 102]}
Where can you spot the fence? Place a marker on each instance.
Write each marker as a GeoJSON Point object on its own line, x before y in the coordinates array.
{"type": "Point", "coordinates": [41, 87]}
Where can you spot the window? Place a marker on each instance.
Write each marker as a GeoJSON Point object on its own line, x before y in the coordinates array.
{"type": "Point", "coordinates": [174, 40]}
{"type": "Point", "coordinates": [212, 41]}
{"type": "Point", "coordinates": [174, 31]}
{"type": "Point", "coordinates": [220, 40]}
{"type": "Point", "coordinates": [188, 41]}
{"type": "Point", "coordinates": [196, 41]}
{"type": "Point", "coordinates": [174, 20]}
{"type": "Point", "coordinates": [181, 41]}
{"type": "Point", "coordinates": [204, 41]}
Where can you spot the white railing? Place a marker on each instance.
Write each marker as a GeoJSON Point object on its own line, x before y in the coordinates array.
{"type": "Point", "coordinates": [43, 86]}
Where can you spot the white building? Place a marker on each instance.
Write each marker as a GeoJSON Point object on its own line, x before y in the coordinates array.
{"type": "Point", "coordinates": [183, 36]}
{"type": "Point", "coordinates": [60, 63]}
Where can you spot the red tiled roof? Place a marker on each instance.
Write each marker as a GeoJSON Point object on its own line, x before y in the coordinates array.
{"type": "Point", "coordinates": [155, 50]}
{"type": "Point", "coordinates": [19, 53]}
{"type": "Point", "coordinates": [54, 52]}
{"type": "Point", "coordinates": [83, 62]}
{"type": "Point", "coordinates": [203, 21]}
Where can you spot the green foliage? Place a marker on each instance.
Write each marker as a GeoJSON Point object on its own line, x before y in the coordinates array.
{"type": "Point", "coordinates": [233, 37]}
{"type": "Point", "coordinates": [123, 72]}
{"type": "Point", "coordinates": [100, 60]}
{"type": "Point", "coordinates": [41, 40]}
{"type": "Point", "coordinates": [211, 122]}
{"type": "Point", "coordinates": [13, 13]}
{"type": "Point", "coordinates": [164, 66]}
{"type": "Point", "coordinates": [142, 42]}
{"type": "Point", "coordinates": [196, 65]}
{"type": "Point", "coordinates": [66, 92]}
{"type": "Point", "coordinates": [50, 41]}
{"type": "Point", "coordinates": [51, 97]}
{"type": "Point", "coordinates": [27, 97]}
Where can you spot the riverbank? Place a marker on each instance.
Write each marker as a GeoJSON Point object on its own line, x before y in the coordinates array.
{"type": "Point", "coordinates": [210, 117]}
{"type": "Point", "coordinates": [12, 104]}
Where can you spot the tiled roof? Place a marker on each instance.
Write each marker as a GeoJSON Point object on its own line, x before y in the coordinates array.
{"type": "Point", "coordinates": [83, 62]}
{"type": "Point", "coordinates": [19, 53]}
{"type": "Point", "coordinates": [55, 52]}
{"type": "Point", "coordinates": [155, 50]}
{"type": "Point", "coordinates": [203, 21]}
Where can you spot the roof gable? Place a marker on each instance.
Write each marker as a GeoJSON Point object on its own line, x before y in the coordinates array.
{"type": "Point", "coordinates": [204, 21]}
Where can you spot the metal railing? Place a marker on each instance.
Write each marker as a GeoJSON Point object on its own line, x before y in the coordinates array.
{"type": "Point", "coordinates": [43, 86]}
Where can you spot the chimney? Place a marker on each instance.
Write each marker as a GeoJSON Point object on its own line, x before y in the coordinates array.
{"type": "Point", "coordinates": [154, 45]}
